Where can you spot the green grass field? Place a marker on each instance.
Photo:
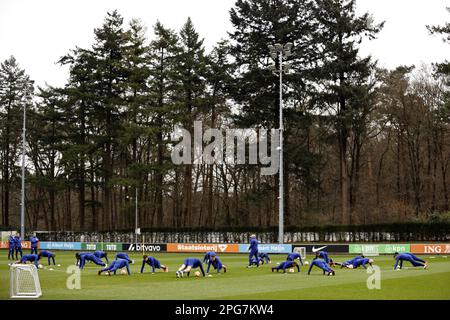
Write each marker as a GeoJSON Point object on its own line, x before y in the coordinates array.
{"type": "Point", "coordinates": [240, 282]}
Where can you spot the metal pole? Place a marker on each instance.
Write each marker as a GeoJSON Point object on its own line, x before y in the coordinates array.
{"type": "Point", "coordinates": [22, 205]}
{"type": "Point", "coordinates": [136, 216]}
{"type": "Point", "coordinates": [281, 195]}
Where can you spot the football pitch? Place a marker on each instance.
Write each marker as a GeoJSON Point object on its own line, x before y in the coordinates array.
{"type": "Point", "coordinates": [239, 282]}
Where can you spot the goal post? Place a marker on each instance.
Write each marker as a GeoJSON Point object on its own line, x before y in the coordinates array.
{"type": "Point", "coordinates": [24, 281]}
{"type": "Point", "coordinates": [302, 251]}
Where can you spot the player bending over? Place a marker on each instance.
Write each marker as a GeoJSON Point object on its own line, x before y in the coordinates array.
{"type": "Point", "coordinates": [154, 263]}
{"type": "Point", "coordinates": [29, 258]}
{"type": "Point", "coordinates": [415, 261]}
{"type": "Point", "coordinates": [47, 254]}
{"type": "Point", "coordinates": [217, 264]}
{"type": "Point", "coordinates": [253, 251]}
{"type": "Point", "coordinates": [208, 256]}
{"type": "Point", "coordinates": [116, 265]}
{"type": "Point", "coordinates": [101, 254]}
{"type": "Point", "coordinates": [188, 265]}
{"type": "Point", "coordinates": [294, 255]}
{"type": "Point", "coordinates": [321, 264]}
{"type": "Point", "coordinates": [286, 264]}
{"type": "Point", "coordinates": [362, 262]}
{"type": "Point", "coordinates": [264, 255]}
{"type": "Point", "coordinates": [124, 256]}
{"type": "Point", "coordinates": [324, 255]}
{"type": "Point", "coordinates": [89, 257]}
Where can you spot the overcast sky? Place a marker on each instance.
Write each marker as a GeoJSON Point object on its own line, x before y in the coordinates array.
{"type": "Point", "coordinates": [38, 32]}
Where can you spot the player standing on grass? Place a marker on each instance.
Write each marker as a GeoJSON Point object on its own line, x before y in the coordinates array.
{"type": "Point", "coordinates": [34, 241]}
{"type": "Point", "coordinates": [11, 247]}
{"type": "Point", "coordinates": [47, 254]}
{"type": "Point", "coordinates": [253, 251]}
{"type": "Point", "coordinates": [101, 254]}
{"type": "Point", "coordinates": [89, 257]}
{"type": "Point", "coordinates": [415, 261]}
{"type": "Point", "coordinates": [116, 265]}
{"type": "Point", "coordinates": [294, 255]}
{"type": "Point", "coordinates": [154, 263]}
{"type": "Point", "coordinates": [217, 264]}
{"type": "Point", "coordinates": [322, 264]}
{"type": "Point", "coordinates": [18, 245]}
{"type": "Point", "coordinates": [188, 265]}
{"type": "Point", "coordinates": [286, 264]}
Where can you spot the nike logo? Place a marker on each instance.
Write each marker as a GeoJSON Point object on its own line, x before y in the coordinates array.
{"type": "Point", "coordinates": [318, 249]}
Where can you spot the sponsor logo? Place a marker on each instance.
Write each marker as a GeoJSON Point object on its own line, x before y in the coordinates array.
{"type": "Point", "coordinates": [222, 247]}
{"type": "Point", "coordinates": [314, 249]}
{"type": "Point", "coordinates": [145, 247]}
{"type": "Point", "coordinates": [430, 248]}
{"type": "Point", "coordinates": [201, 247]}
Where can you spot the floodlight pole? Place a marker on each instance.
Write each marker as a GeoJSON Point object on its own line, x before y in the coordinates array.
{"type": "Point", "coordinates": [281, 187]}
{"type": "Point", "coordinates": [22, 204]}
{"type": "Point", "coordinates": [136, 216]}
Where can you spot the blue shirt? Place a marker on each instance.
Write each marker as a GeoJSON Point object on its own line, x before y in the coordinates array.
{"type": "Point", "coordinates": [360, 262]}
{"type": "Point", "coordinates": [287, 264]}
{"type": "Point", "coordinates": [194, 263]}
{"type": "Point", "coordinates": [294, 255]}
{"type": "Point", "coordinates": [34, 242]}
{"type": "Point", "coordinates": [154, 263]}
{"type": "Point", "coordinates": [30, 257]}
{"type": "Point", "coordinates": [322, 264]}
{"type": "Point", "coordinates": [217, 264]}
{"type": "Point", "coordinates": [100, 254]}
{"type": "Point", "coordinates": [11, 242]}
{"type": "Point", "coordinates": [253, 245]}
{"type": "Point", "coordinates": [122, 255]}
{"type": "Point", "coordinates": [18, 242]}
{"type": "Point", "coordinates": [45, 253]}
{"type": "Point", "coordinates": [118, 264]}
{"type": "Point", "coordinates": [208, 255]}
{"type": "Point", "coordinates": [402, 257]}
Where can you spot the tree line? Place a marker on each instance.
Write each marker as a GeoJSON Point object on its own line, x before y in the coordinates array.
{"type": "Point", "coordinates": [362, 145]}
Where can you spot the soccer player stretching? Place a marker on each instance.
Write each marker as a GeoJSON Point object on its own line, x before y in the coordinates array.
{"type": "Point", "coordinates": [101, 254]}
{"type": "Point", "coordinates": [208, 255]}
{"type": "Point", "coordinates": [154, 263]}
{"type": "Point", "coordinates": [188, 265]}
{"type": "Point", "coordinates": [286, 264]}
{"type": "Point", "coordinates": [415, 261]}
{"type": "Point", "coordinates": [264, 255]}
{"type": "Point", "coordinates": [115, 265]}
{"type": "Point", "coordinates": [322, 264]}
{"type": "Point", "coordinates": [253, 251]}
{"type": "Point", "coordinates": [294, 255]}
{"type": "Point", "coordinates": [324, 255]}
{"type": "Point", "coordinates": [89, 257]}
{"type": "Point", "coordinates": [217, 264]}
{"type": "Point", "coordinates": [30, 258]}
{"type": "Point", "coordinates": [47, 254]}
{"type": "Point", "coordinates": [124, 256]}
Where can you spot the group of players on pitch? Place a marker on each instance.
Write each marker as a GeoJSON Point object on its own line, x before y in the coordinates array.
{"type": "Point", "coordinates": [122, 260]}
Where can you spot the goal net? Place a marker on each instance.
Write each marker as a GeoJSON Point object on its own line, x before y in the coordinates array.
{"type": "Point", "coordinates": [24, 281]}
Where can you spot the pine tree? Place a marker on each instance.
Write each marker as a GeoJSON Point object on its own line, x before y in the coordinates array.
{"type": "Point", "coordinates": [16, 93]}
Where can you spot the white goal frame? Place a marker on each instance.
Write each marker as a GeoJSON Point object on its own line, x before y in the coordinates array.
{"type": "Point", "coordinates": [302, 251]}
{"type": "Point", "coordinates": [16, 286]}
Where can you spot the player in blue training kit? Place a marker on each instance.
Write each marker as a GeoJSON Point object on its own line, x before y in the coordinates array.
{"type": "Point", "coordinates": [11, 247]}
{"type": "Point", "coordinates": [29, 257]}
{"type": "Point", "coordinates": [217, 264]}
{"type": "Point", "coordinates": [124, 256]}
{"type": "Point", "coordinates": [324, 255]}
{"type": "Point", "coordinates": [415, 261]}
{"type": "Point", "coordinates": [154, 263]}
{"type": "Point", "coordinates": [256, 262]}
{"type": "Point", "coordinates": [286, 264]}
{"type": "Point", "coordinates": [208, 256]}
{"type": "Point", "coordinates": [362, 262]}
{"type": "Point", "coordinates": [322, 264]}
{"type": "Point", "coordinates": [101, 254]}
{"type": "Point", "coordinates": [34, 241]}
{"type": "Point", "coordinates": [90, 257]}
{"type": "Point", "coordinates": [188, 265]}
{"type": "Point", "coordinates": [347, 263]}
{"type": "Point", "coordinates": [264, 255]}
{"type": "Point", "coordinates": [47, 254]}
{"type": "Point", "coordinates": [116, 265]}
{"type": "Point", "coordinates": [18, 245]}
{"type": "Point", "coordinates": [253, 251]}
{"type": "Point", "coordinates": [294, 255]}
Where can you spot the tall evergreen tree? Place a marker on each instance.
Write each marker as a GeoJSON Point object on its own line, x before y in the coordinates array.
{"type": "Point", "coordinates": [16, 93]}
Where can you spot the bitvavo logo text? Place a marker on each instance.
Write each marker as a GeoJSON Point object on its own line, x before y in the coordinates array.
{"type": "Point", "coordinates": [227, 146]}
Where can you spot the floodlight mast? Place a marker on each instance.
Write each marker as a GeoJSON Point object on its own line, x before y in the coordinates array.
{"type": "Point", "coordinates": [22, 197]}
{"type": "Point", "coordinates": [278, 50]}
